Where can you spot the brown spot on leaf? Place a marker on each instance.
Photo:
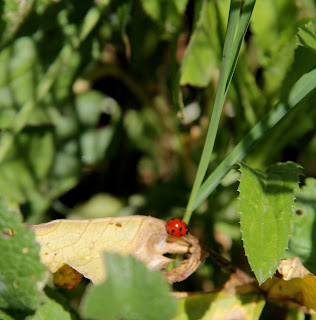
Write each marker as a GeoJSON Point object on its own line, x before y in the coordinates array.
{"type": "Point", "coordinates": [299, 212]}
{"type": "Point", "coordinates": [7, 233]}
{"type": "Point", "coordinates": [67, 277]}
{"type": "Point", "coordinates": [25, 250]}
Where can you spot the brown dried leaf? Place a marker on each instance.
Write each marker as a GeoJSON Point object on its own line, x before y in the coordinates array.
{"type": "Point", "coordinates": [67, 277]}
{"type": "Point", "coordinates": [80, 244]}
{"type": "Point", "coordinates": [292, 285]}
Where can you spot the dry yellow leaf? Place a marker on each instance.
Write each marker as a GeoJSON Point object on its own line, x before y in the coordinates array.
{"type": "Point", "coordinates": [239, 299]}
{"type": "Point", "coordinates": [293, 284]}
{"type": "Point", "coordinates": [80, 244]}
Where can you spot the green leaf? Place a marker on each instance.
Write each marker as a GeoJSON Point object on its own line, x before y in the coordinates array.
{"type": "Point", "coordinates": [130, 291]}
{"type": "Point", "coordinates": [75, 38]}
{"type": "Point", "coordinates": [50, 310]}
{"type": "Point", "coordinates": [274, 37]}
{"type": "Point", "coordinates": [200, 57]}
{"type": "Point", "coordinates": [21, 272]}
{"type": "Point", "coordinates": [23, 175]}
{"type": "Point", "coordinates": [17, 78]}
{"type": "Point", "coordinates": [143, 129]}
{"type": "Point", "coordinates": [53, 156]}
{"type": "Point", "coordinates": [302, 241]}
{"type": "Point", "coordinates": [220, 305]}
{"type": "Point", "coordinates": [266, 201]}
{"type": "Point", "coordinates": [238, 21]}
{"type": "Point", "coordinates": [166, 13]}
{"type": "Point", "coordinates": [12, 16]}
{"type": "Point", "coordinates": [95, 141]}
{"type": "Point", "coordinates": [99, 206]}
{"type": "Point", "coordinates": [302, 88]}
{"type": "Point", "coordinates": [123, 14]}
{"type": "Point", "coordinates": [306, 36]}
{"type": "Point", "coordinates": [4, 316]}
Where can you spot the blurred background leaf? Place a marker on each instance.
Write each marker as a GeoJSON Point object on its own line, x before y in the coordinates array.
{"type": "Point", "coordinates": [302, 242]}
{"type": "Point", "coordinates": [89, 124]}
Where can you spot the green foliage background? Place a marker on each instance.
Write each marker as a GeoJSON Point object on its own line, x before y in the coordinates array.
{"type": "Point", "coordinates": [94, 123]}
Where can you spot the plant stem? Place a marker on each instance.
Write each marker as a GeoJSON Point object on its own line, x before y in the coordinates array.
{"type": "Point", "coordinates": [236, 28]}
{"type": "Point", "coordinates": [305, 85]}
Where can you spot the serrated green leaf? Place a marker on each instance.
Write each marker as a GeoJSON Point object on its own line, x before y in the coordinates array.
{"type": "Point", "coordinates": [50, 310]}
{"type": "Point", "coordinates": [200, 57]}
{"type": "Point", "coordinates": [302, 241]}
{"type": "Point", "coordinates": [266, 201]}
{"type": "Point", "coordinates": [130, 291]}
{"type": "Point", "coordinates": [21, 272]}
{"type": "Point", "coordinates": [306, 36]}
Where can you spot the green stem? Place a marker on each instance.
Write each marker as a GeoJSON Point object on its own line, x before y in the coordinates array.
{"type": "Point", "coordinates": [236, 28]}
{"type": "Point", "coordinates": [305, 85]}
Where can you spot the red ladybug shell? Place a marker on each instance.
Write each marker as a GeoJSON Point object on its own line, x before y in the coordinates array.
{"type": "Point", "coordinates": [177, 227]}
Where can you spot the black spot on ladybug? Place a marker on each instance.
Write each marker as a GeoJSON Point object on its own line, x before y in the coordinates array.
{"type": "Point", "coordinates": [176, 227]}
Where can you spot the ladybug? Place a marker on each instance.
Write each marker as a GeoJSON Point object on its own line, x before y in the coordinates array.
{"type": "Point", "coordinates": [177, 227]}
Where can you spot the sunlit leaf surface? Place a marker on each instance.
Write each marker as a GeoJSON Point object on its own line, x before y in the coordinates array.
{"type": "Point", "coordinates": [266, 201]}
{"type": "Point", "coordinates": [80, 244]}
